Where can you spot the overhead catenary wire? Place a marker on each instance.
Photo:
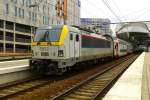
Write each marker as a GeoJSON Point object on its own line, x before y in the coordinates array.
{"type": "Point", "coordinates": [137, 11]}
{"type": "Point", "coordinates": [145, 12]}
{"type": "Point", "coordinates": [126, 21]}
{"type": "Point", "coordinates": [97, 7]}
{"type": "Point", "coordinates": [108, 6]}
{"type": "Point", "coordinates": [115, 4]}
{"type": "Point", "coordinates": [89, 12]}
{"type": "Point", "coordinates": [52, 4]}
{"type": "Point", "coordinates": [111, 10]}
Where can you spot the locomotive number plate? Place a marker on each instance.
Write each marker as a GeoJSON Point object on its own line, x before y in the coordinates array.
{"type": "Point", "coordinates": [43, 49]}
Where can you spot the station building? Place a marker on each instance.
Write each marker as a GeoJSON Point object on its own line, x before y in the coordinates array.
{"type": "Point", "coordinates": [101, 24]}
{"type": "Point", "coordinates": [20, 18]}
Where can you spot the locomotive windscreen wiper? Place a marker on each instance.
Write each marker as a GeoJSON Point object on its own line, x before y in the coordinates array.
{"type": "Point", "coordinates": [46, 36]}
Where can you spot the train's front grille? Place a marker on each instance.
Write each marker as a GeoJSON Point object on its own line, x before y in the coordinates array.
{"type": "Point", "coordinates": [44, 54]}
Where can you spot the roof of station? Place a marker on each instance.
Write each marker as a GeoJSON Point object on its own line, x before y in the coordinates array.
{"type": "Point", "coordinates": [135, 32]}
{"type": "Point", "coordinates": [136, 27]}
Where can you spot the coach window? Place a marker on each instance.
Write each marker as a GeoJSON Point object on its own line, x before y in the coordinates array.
{"type": "Point", "coordinates": [71, 37]}
{"type": "Point", "coordinates": [77, 38]}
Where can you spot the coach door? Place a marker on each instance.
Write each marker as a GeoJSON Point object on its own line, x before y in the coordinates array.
{"type": "Point", "coordinates": [71, 45]}
{"type": "Point", "coordinates": [74, 45]}
{"type": "Point", "coordinates": [77, 45]}
{"type": "Point", "coordinates": [117, 49]}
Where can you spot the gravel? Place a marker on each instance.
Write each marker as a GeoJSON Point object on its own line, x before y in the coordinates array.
{"type": "Point", "coordinates": [52, 89]}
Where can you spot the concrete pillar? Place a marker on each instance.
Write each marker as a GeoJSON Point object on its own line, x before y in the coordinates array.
{"type": "Point", "coordinates": [4, 36]}
{"type": "Point", "coordinates": [14, 32]}
{"type": "Point", "coordinates": [31, 33]}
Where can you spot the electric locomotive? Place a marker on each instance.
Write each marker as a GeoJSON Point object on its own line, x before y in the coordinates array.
{"type": "Point", "coordinates": [56, 48]}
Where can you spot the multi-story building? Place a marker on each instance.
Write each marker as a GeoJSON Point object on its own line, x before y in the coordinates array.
{"type": "Point", "coordinates": [68, 11]}
{"type": "Point", "coordinates": [102, 25]}
{"type": "Point", "coordinates": [20, 18]}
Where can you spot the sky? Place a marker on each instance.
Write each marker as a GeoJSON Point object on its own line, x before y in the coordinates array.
{"type": "Point", "coordinates": [125, 10]}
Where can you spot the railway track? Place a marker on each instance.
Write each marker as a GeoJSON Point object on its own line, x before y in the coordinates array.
{"type": "Point", "coordinates": [10, 90]}
{"type": "Point", "coordinates": [17, 88]}
{"type": "Point", "coordinates": [93, 87]}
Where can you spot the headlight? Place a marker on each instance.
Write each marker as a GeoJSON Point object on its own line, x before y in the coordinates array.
{"type": "Point", "coordinates": [60, 53]}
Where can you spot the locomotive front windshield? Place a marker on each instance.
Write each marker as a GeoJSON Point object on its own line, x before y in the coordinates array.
{"type": "Point", "coordinates": [47, 35]}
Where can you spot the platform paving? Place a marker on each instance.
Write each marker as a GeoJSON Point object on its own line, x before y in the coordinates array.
{"type": "Point", "coordinates": [13, 66]}
{"type": "Point", "coordinates": [12, 56]}
{"type": "Point", "coordinates": [146, 78]}
{"type": "Point", "coordinates": [129, 85]}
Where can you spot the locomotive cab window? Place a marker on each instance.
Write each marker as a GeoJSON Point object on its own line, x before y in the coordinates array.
{"type": "Point", "coordinates": [77, 38]}
{"type": "Point", "coordinates": [47, 35]}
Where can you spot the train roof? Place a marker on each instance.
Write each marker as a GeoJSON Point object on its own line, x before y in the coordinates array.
{"type": "Point", "coordinates": [71, 28]}
{"type": "Point", "coordinates": [50, 26]}
{"type": "Point", "coordinates": [121, 40]}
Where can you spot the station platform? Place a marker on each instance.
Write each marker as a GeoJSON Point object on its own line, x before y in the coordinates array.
{"type": "Point", "coordinates": [134, 84]}
{"type": "Point", "coordinates": [11, 56]}
{"type": "Point", "coordinates": [13, 66]}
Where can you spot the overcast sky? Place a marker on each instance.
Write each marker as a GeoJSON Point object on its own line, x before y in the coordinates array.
{"type": "Point", "coordinates": [127, 10]}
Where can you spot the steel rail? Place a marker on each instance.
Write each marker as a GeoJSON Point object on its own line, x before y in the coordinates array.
{"type": "Point", "coordinates": [80, 91]}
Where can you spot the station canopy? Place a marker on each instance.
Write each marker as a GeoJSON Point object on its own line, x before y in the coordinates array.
{"type": "Point", "coordinates": [135, 32]}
